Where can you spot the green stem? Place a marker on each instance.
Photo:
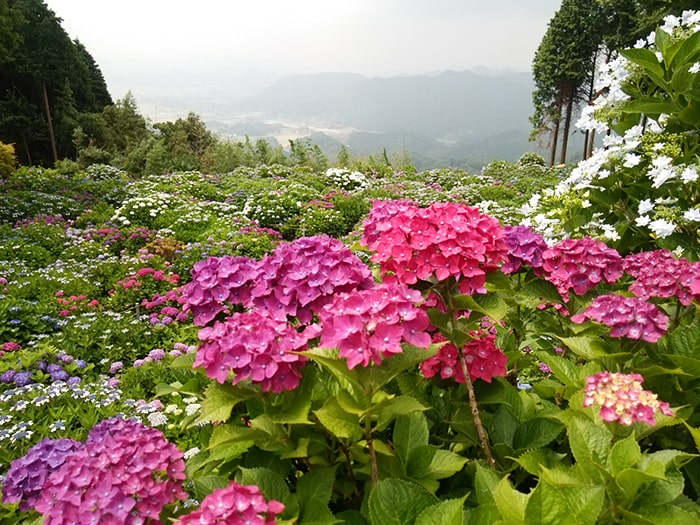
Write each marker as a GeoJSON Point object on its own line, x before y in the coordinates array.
{"type": "Point", "coordinates": [480, 430]}
{"type": "Point", "coordinates": [372, 453]}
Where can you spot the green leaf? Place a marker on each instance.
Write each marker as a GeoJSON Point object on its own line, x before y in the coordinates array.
{"type": "Point", "coordinates": [338, 422]}
{"type": "Point", "coordinates": [393, 407]}
{"type": "Point", "coordinates": [687, 53]}
{"type": "Point", "coordinates": [297, 403]}
{"type": "Point", "coordinates": [543, 290]}
{"type": "Point", "coordinates": [695, 433]}
{"type": "Point", "coordinates": [314, 490]}
{"type": "Point", "coordinates": [351, 517]}
{"type": "Point", "coordinates": [648, 60]}
{"type": "Point", "coordinates": [205, 485]}
{"type": "Point", "coordinates": [536, 433]}
{"type": "Point", "coordinates": [590, 445]}
{"type": "Point", "coordinates": [685, 340]}
{"type": "Point", "coordinates": [565, 370]}
{"type": "Point", "coordinates": [650, 106]}
{"type": "Point", "coordinates": [624, 454]}
{"type": "Point", "coordinates": [272, 485]}
{"type": "Point", "coordinates": [491, 305]}
{"type": "Point", "coordinates": [430, 462]}
{"type": "Point", "coordinates": [219, 401]}
{"type": "Point", "coordinates": [373, 378]}
{"type": "Point", "coordinates": [410, 433]}
{"type": "Point", "coordinates": [448, 512]}
{"type": "Point", "coordinates": [662, 492]}
{"type": "Point", "coordinates": [397, 502]}
{"type": "Point", "coordinates": [511, 503]}
{"type": "Point", "coordinates": [503, 426]}
{"type": "Point", "coordinates": [569, 504]}
{"type": "Point", "coordinates": [630, 480]}
{"type": "Point", "coordinates": [485, 482]}
{"type": "Point", "coordinates": [585, 346]}
{"type": "Point", "coordinates": [534, 460]}
{"type": "Point", "coordinates": [328, 358]}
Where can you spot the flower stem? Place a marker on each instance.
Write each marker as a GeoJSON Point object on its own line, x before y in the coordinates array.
{"type": "Point", "coordinates": [480, 430]}
{"type": "Point", "coordinates": [372, 454]}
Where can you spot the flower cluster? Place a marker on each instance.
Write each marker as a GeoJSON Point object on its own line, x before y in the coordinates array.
{"type": "Point", "coordinates": [441, 241]}
{"type": "Point", "coordinates": [254, 346]}
{"type": "Point", "coordinates": [524, 247]}
{"type": "Point", "coordinates": [622, 398]}
{"type": "Point", "coordinates": [368, 325]}
{"type": "Point", "coordinates": [235, 504]}
{"type": "Point", "coordinates": [215, 282]}
{"type": "Point", "coordinates": [125, 473]}
{"type": "Point", "coordinates": [483, 358]}
{"type": "Point", "coordinates": [27, 475]}
{"type": "Point", "coordinates": [629, 317]}
{"type": "Point", "coordinates": [580, 264]}
{"type": "Point", "coordinates": [299, 278]}
{"type": "Point", "coordinates": [660, 274]}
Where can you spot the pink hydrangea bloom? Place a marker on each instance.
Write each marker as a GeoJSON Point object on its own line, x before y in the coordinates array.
{"type": "Point", "coordinates": [11, 346]}
{"type": "Point", "coordinates": [580, 264]}
{"type": "Point", "coordinates": [660, 274]}
{"type": "Point", "coordinates": [629, 317]}
{"type": "Point", "coordinates": [441, 241]}
{"type": "Point", "coordinates": [254, 346]}
{"type": "Point", "coordinates": [124, 474]}
{"type": "Point", "coordinates": [368, 325]}
{"type": "Point", "coordinates": [234, 505]}
{"type": "Point", "coordinates": [621, 398]}
{"type": "Point", "coordinates": [484, 359]}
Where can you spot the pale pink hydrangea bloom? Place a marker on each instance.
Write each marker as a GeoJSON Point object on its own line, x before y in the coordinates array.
{"type": "Point", "coordinates": [621, 398]}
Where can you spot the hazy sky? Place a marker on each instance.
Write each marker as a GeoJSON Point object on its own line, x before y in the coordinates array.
{"type": "Point", "coordinates": [137, 38]}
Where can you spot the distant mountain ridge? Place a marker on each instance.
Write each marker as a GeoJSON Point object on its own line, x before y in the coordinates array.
{"type": "Point", "coordinates": [449, 118]}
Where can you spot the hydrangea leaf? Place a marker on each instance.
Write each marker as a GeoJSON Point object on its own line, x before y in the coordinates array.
{"type": "Point", "coordinates": [397, 502]}
{"type": "Point", "coordinates": [448, 512]}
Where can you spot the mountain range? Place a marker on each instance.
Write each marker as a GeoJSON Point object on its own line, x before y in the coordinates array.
{"type": "Point", "coordinates": [450, 118]}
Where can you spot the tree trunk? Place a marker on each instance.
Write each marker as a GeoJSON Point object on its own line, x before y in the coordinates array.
{"type": "Point", "coordinates": [567, 127]}
{"type": "Point", "coordinates": [589, 146]}
{"type": "Point", "coordinates": [555, 133]}
{"type": "Point", "coordinates": [50, 122]}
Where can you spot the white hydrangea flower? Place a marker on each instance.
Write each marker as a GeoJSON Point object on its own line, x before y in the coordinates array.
{"type": "Point", "coordinates": [190, 453]}
{"type": "Point", "coordinates": [631, 160]}
{"type": "Point", "coordinates": [689, 175]}
{"type": "Point", "coordinates": [609, 232]}
{"type": "Point", "coordinates": [662, 228]}
{"type": "Point", "coordinates": [695, 68]}
{"type": "Point", "coordinates": [642, 220]}
{"type": "Point", "coordinates": [157, 419]}
{"type": "Point", "coordinates": [645, 206]}
{"type": "Point", "coordinates": [692, 215]}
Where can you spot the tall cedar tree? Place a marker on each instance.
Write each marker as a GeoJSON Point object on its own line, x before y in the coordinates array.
{"type": "Point", "coordinates": [47, 83]}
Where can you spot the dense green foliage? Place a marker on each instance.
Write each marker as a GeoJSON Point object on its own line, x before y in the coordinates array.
{"type": "Point", "coordinates": [48, 83]}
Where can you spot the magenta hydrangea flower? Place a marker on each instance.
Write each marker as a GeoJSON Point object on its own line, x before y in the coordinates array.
{"type": "Point", "coordinates": [441, 241]}
{"type": "Point", "coordinates": [483, 358]}
{"type": "Point", "coordinates": [234, 505]}
{"type": "Point", "coordinates": [379, 220]}
{"type": "Point", "coordinates": [368, 325]}
{"type": "Point", "coordinates": [124, 474]}
{"type": "Point", "coordinates": [299, 278]}
{"type": "Point", "coordinates": [257, 347]}
{"type": "Point", "coordinates": [525, 246]}
{"type": "Point", "coordinates": [27, 475]}
{"type": "Point", "coordinates": [580, 264]}
{"type": "Point", "coordinates": [629, 317]}
{"type": "Point", "coordinates": [621, 398]}
{"type": "Point", "coordinates": [11, 346]}
{"type": "Point", "coordinates": [661, 274]}
{"type": "Point", "coordinates": [216, 283]}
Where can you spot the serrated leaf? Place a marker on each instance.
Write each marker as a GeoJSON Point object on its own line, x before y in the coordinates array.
{"type": "Point", "coordinates": [328, 358]}
{"type": "Point", "coordinates": [272, 485]}
{"type": "Point", "coordinates": [585, 346]}
{"type": "Point", "coordinates": [373, 378]}
{"type": "Point", "coordinates": [430, 462]}
{"type": "Point", "coordinates": [205, 485]}
{"type": "Point", "coordinates": [448, 512]}
{"type": "Point", "coordinates": [569, 504]}
{"type": "Point", "coordinates": [395, 407]}
{"type": "Point", "coordinates": [511, 503]}
{"type": "Point", "coordinates": [219, 401]}
{"type": "Point", "coordinates": [297, 403]}
{"type": "Point", "coordinates": [339, 422]}
{"type": "Point", "coordinates": [397, 502]}
{"type": "Point", "coordinates": [535, 433]}
{"type": "Point", "coordinates": [410, 433]}
{"type": "Point", "coordinates": [314, 491]}
{"type": "Point", "coordinates": [624, 454]}
{"type": "Point", "coordinates": [533, 461]}
{"type": "Point", "coordinates": [485, 482]}
{"type": "Point", "coordinates": [590, 445]}
{"type": "Point", "coordinates": [685, 340]}
{"type": "Point", "coordinates": [490, 305]}
{"type": "Point", "coordinates": [662, 492]}
{"type": "Point", "coordinates": [565, 371]}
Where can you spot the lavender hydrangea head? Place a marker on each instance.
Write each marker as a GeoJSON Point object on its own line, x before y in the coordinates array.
{"type": "Point", "coordinates": [27, 475]}
{"type": "Point", "coordinates": [525, 246]}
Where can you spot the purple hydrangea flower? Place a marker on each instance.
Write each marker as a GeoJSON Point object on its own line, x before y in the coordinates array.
{"type": "Point", "coordinates": [27, 475]}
